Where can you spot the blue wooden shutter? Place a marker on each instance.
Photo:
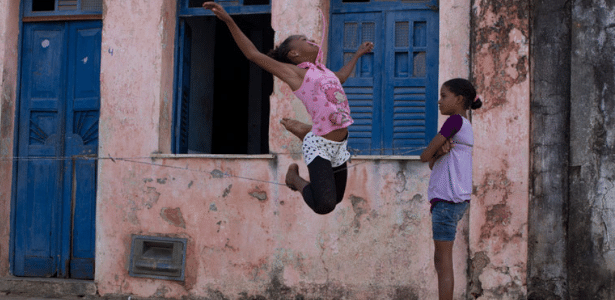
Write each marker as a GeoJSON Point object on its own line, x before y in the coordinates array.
{"type": "Point", "coordinates": [411, 78]}
{"type": "Point", "coordinates": [182, 107]}
{"type": "Point", "coordinates": [364, 87]}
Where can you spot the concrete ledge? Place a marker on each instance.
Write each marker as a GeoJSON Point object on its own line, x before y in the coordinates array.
{"type": "Point", "coordinates": [46, 287]}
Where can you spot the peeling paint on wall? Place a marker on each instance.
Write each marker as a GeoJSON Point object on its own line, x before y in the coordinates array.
{"type": "Point", "coordinates": [498, 224]}
{"type": "Point", "coordinates": [258, 194]}
{"type": "Point", "coordinates": [251, 240]}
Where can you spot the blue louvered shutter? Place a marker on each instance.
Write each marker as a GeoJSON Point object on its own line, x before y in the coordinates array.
{"type": "Point", "coordinates": [410, 81]}
{"type": "Point", "coordinates": [364, 87]}
{"type": "Point", "coordinates": [182, 112]}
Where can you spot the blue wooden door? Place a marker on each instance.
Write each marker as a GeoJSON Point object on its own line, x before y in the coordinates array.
{"type": "Point", "coordinates": [54, 230]}
{"type": "Point", "coordinates": [393, 92]}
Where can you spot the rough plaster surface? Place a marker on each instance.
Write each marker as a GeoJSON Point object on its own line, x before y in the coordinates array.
{"type": "Point", "coordinates": [550, 113]}
{"type": "Point", "coordinates": [498, 235]}
{"type": "Point", "coordinates": [454, 55]}
{"type": "Point", "coordinates": [132, 75]}
{"type": "Point", "coordinates": [245, 238]}
{"type": "Point", "coordinates": [591, 251]}
{"type": "Point", "coordinates": [249, 238]}
{"type": "Point", "coordinates": [9, 32]}
{"type": "Point", "coordinates": [377, 242]}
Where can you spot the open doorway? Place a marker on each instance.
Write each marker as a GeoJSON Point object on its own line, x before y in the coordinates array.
{"type": "Point", "coordinates": [228, 100]}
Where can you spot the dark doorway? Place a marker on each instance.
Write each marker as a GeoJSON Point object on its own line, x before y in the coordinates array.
{"type": "Point", "coordinates": [229, 95]}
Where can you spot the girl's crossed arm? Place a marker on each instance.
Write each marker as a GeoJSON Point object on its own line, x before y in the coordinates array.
{"type": "Point", "coordinates": [438, 147]}
{"type": "Point", "coordinates": [344, 72]}
{"type": "Point", "coordinates": [286, 72]}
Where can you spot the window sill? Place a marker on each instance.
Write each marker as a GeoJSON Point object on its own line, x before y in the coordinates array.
{"type": "Point", "coordinates": [387, 157]}
{"type": "Point", "coordinates": [213, 156]}
{"type": "Point", "coordinates": [273, 156]}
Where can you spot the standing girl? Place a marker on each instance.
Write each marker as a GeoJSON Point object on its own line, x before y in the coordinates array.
{"type": "Point", "coordinates": [450, 183]}
{"type": "Point", "coordinates": [297, 62]}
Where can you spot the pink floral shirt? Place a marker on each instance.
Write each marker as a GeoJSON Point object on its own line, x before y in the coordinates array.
{"type": "Point", "coordinates": [323, 95]}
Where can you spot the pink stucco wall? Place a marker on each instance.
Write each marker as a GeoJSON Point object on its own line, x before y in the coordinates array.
{"type": "Point", "coordinates": [259, 238]}
{"type": "Point", "coordinates": [246, 236]}
{"type": "Point", "coordinates": [498, 235]}
{"type": "Point", "coordinates": [9, 33]}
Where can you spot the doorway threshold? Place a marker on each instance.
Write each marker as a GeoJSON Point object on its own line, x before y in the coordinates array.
{"type": "Point", "coordinates": [46, 287]}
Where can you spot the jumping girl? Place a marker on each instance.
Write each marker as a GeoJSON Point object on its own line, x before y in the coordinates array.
{"type": "Point", "coordinates": [297, 62]}
{"type": "Point", "coordinates": [450, 183]}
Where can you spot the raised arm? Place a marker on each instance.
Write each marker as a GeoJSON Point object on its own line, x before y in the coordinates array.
{"type": "Point", "coordinates": [286, 72]}
{"type": "Point", "coordinates": [344, 72]}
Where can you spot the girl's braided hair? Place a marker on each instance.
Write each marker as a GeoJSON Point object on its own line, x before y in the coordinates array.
{"type": "Point", "coordinates": [464, 87]}
{"type": "Point", "coordinates": [280, 53]}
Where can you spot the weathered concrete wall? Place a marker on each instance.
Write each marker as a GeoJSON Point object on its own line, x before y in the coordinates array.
{"type": "Point", "coordinates": [136, 88]}
{"type": "Point", "coordinates": [9, 33]}
{"type": "Point", "coordinates": [591, 250]}
{"type": "Point", "coordinates": [498, 214]}
{"type": "Point", "coordinates": [252, 238]}
{"type": "Point", "coordinates": [550, 112]}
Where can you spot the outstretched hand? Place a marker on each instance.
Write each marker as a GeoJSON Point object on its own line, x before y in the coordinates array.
{"type": "Point", "coordinates": [218, 10]}
{"type": "Point", "coordinates": [366, 47]}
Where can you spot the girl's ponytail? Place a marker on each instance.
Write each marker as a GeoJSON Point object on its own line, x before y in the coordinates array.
{"type": "Point", "coordinates": [477, 103]}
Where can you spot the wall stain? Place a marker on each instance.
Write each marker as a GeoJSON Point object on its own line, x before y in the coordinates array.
{"type": "Point", "coordinates": [400, 182]}
{"type": "Point", "coordinates": [173, 216]}
{"type": "Point", "coordinates": [161, 180]}
{"type": "Point", "coordinates": [6, 118]}
{"type": "Point", "coordinates": [151, 197]}
{"type": "Point", "coordinates": [161, 291]}
{"type": "Point", "coordinates": [476, 267]}
{"type": "Point", "coordinates": [7, 111]}
{"type": "Point", "coordinates": [360, 207]}
{"type": "Point", "coordinates": [410, 219]}
{"type": "Point", "coordinates": [495, 38]}
{"type": "Point", "coordinates": [217, 174]}
{"type": "Point", "coordinates": [228, 246]}
{"type": "Point", "coordinates": [405, 293]}
{"type": "Point", "coordinates": [497, 216]}
{"type": "Point", "coordinates": [258, 194]}
{"type": "Point", "coordinates": [227, 191]}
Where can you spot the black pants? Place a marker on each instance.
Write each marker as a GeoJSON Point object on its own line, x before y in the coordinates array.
{"type": "Point", "coordinates": [327, 186]}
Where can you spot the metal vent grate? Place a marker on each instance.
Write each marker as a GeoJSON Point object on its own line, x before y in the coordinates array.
{"type": "Point", "coordinates": [158, 257]}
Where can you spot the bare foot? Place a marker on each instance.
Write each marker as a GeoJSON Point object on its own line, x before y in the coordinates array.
{"type": "Point", "coordinates": [293, 180]}
{"type": "Point", "coordinates": [299, 129]}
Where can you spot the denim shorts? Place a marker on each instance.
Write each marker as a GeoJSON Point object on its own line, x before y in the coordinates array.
{"type": "Point", "coordinates": [444, 219]}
